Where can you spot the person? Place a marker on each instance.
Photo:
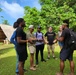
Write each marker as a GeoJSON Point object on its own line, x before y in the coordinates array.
{"type": "Point", "coordinates": [66, 52]}
{"type": "Point", "coordinates": [21, 46]}
{"type": "Point", "coordinates": [39, 44]}
{"type": "Point", "coordinates": [31, 46]}
{"type": "Point", "coordinates": [14, 41]}
{"type": "Point", "coordinates": [51, 40]}
{"type": "Point", "coordinates": [58, 35]}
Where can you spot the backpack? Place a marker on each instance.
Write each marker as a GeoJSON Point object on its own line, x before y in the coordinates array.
{"type": "Point", "coordinates": [37, 35]}
{"type": "Point", "coordinates": [72, 40]}
{"type": "Point", "coordinates": [13, 38]}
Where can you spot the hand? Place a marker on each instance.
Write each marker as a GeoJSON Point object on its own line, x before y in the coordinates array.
{"type": "Point", "coordinates": [26, 40]}
{"type": "Point", "coordinates": [40, 40]}
{"type": "Point", "coordinates": [46, 42]}
{"type": "Point", "coordinates": [54, 41]}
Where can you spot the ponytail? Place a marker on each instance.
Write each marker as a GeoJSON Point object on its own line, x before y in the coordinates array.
{"type": "Point", "coordinates": [16, 24]}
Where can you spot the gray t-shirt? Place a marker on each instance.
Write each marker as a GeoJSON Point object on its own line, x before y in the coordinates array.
{"type": "Point", "coordinates": [29, 35]}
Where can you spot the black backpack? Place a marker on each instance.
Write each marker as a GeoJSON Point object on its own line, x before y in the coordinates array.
{"type": "Point", "coordinates": [72, 40]}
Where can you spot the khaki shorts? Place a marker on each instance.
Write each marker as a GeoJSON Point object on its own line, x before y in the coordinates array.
{"type": "Point", "coordinates": [32, 49]}
{"type": "Point", "coordinates": [50, 47]}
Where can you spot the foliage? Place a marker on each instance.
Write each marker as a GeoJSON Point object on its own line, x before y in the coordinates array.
{"type": "Point", "coordinates": [0, 9]}
{"type": "Point", "coordinates": [2, 18]}
{"type": "Point", "coordinates": [5, 22]}
{"type": "Point", "coordinates": [52, 13]}
{"type": "Point", "coordinates": [31, 16]}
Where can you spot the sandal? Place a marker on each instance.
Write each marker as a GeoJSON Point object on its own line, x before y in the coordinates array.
{"type": "Point", "coordinates": [32, 68]}
{"type": "Point", "coordinates": [59, 74]}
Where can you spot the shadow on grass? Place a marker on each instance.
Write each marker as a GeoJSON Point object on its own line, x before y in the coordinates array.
{"type": "Point", "coordinates": [50, 67]}
{"type": "Point", "coordinates": [7, 65]}
{"type": "Point", "coordinates": [3, 51]}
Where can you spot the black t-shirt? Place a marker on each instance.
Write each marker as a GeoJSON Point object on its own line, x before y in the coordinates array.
{"type": "Point", "coordinates": [50, 37]}
{"type": "Point", "coordinates": [22, 34]}
{"type": "Point", "coordinates": [66, 35]}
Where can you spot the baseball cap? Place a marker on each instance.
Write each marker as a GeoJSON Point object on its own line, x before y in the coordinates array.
{"type": "Point", "coordinates": [31, 26]}
{"type": "Point", "coordinates": [39, 27]}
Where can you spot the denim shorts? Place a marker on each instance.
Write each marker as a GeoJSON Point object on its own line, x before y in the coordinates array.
{"type": "Point", "coordinates": [60, 44]}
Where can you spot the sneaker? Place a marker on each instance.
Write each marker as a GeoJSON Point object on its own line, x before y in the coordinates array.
{"type": "Point", "coordinates": [37, 63]}
{"type": "Point", "coordinates": [43, 60]}
{"type": "Point", "coordinates": [54, 58]}
{"type": "Point", "coordinates": [48, 58]}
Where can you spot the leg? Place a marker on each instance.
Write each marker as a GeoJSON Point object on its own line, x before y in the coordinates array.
{"type": "Point", "coordinates": [37, 52]}
{"type": "Point", "coordinates": [52, 48]}
{"type": "Point", "coordinates": [62, 65]}
{"type": "Point", "coordinates": [23, 64]}
{"type": "Point", "coordinates": [71, 62]}
{"type": "Point", "coordinates": [17, 63]}
{"type": "Point", "coordinates": [63, 57]}
{"type": "Point", "coordinates": [72, 67]}
{"type": "Point", "coordinates": [21, 71]}
{"type": "Point", "coordinates": [48, 47]}
{"type": "Point", "coordinates": [32, 61]}
{"type": "Point", "coordinates": [41, 51]}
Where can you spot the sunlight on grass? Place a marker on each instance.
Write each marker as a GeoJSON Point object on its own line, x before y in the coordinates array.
{"type": "Point", "coordinates": [8, 61]}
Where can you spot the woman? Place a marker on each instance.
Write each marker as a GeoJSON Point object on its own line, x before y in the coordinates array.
{"type": "Point", "coordinates": [21, 44]}
{"type": "Point", "coordinates": [59, 34]}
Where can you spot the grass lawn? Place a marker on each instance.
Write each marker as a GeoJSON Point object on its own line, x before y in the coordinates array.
{"type": "Point", "coordinates": [51, 67]}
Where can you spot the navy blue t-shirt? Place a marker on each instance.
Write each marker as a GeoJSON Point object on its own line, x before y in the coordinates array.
{"type": "Point", "coordinates": [50, 37]}
{"type": "Point", "coordinates": [66, 35]}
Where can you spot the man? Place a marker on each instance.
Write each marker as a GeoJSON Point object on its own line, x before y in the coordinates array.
{"type": "Point", "coordinates": [51, 40]}
{"type": "Point", "coordinates": [31, 46]}
{"type": "Point", "coordinates": [39, 44]}
{"type": "Point", "coordinates": [65, 53]}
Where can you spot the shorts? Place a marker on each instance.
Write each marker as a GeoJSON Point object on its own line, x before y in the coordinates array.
{"type": "Point", "coordinates": [32, 49]}
{"type": "Point", "coordinates": [50, 47]}
{"type": "Point", "coordinates": [66, 54]}
{"type": "Point", "coordinates": [22, 53]}
{"type": "Point", "coordinates": [60, 44]}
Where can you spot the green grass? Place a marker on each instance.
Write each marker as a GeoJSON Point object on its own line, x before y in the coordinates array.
{"type": "Point", "coordinates": [51, 67]}
{"type": "Point", "coordinates": [5, 46]}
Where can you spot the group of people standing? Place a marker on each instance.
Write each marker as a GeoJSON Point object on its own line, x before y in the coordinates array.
{"type": "Point", "coordinates": [36, 42]}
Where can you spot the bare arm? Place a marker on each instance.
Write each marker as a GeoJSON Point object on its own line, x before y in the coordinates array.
{"type": "Point", "coordinates": [60, 39]}
{"type": "Point", "coordinates": [19, 40]}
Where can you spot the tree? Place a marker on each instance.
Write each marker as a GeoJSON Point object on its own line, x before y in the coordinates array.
{"type": "Point", "coordinates": [52, 13]}
{"type": "Point", "coordinates": [31, 16]}
{"type": "Point", "coordinates": [55, 11]}
{"type": "Point", "coordinates": [5, 22]}
{"type": "Point", "coordinates": [0, 9]}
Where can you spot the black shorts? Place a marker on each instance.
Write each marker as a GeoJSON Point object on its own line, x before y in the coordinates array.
{"type": "Point", "coordinates": [22, 53]}
{"type": "Point", "coordinates": [66, 54]}
{"type": "Point", "coordinates": [22, 56]}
